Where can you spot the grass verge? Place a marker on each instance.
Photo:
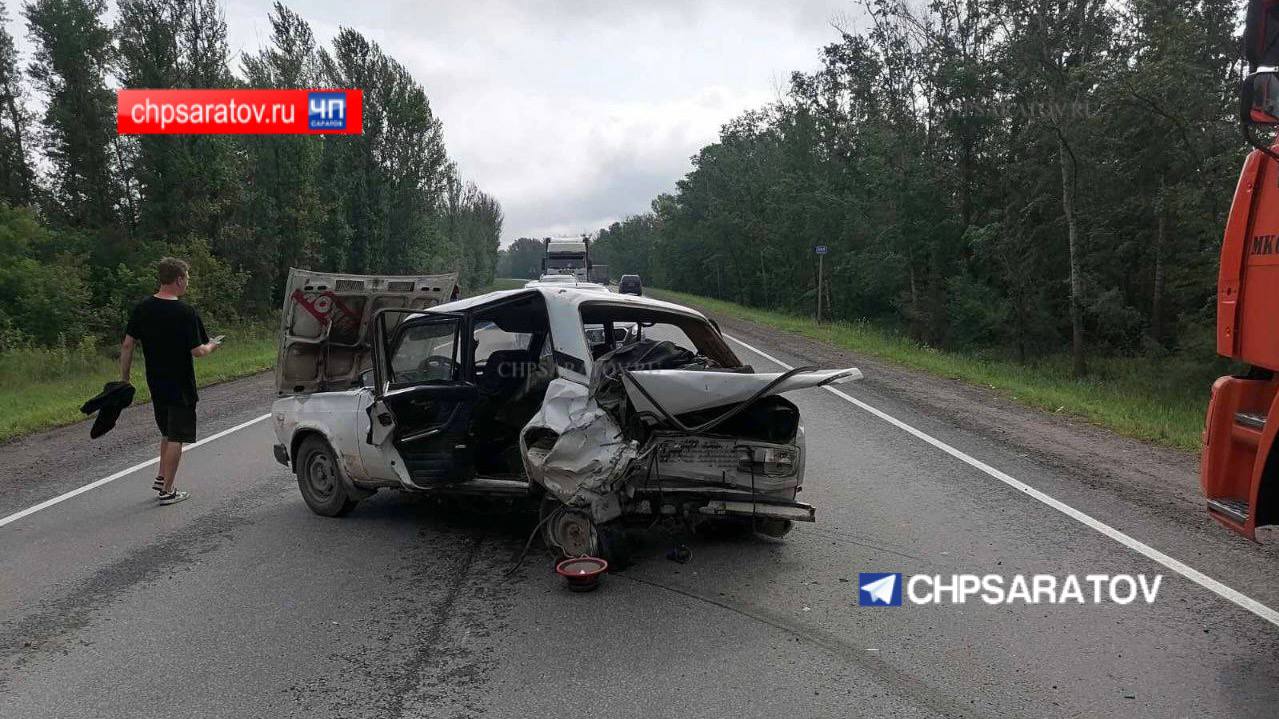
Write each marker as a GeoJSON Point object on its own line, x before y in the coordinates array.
{"type": "Point", "coordinates": [44, 388]}
{"type": "Point", "coordinates": [1157, 400]}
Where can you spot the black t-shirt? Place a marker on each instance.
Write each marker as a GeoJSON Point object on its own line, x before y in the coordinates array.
{"type": "Point", "coordinates": [168, 331]}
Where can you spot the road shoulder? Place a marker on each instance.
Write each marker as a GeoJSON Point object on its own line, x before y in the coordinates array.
{"type": "Point", "coordinates": [38, 466]}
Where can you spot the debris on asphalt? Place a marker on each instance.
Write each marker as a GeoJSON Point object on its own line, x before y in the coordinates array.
{"type": "Point", "coordinates": [582, 574]}
{"type": "Point", "coordinates": [680, 553]}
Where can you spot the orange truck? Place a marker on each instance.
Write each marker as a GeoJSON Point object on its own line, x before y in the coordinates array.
{"type": "Point", "coordinates": [1240, 471]}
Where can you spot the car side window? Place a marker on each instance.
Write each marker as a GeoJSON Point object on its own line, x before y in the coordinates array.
{"type": "Point", "coordinates": [489, 338]}
{"type": "Point", "coordinates": [426, 353]}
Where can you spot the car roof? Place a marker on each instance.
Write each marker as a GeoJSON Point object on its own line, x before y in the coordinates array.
{"type": "Point", "coordinates": [570, 282]}
{"type": "Point", "coordinates": [559, 298]}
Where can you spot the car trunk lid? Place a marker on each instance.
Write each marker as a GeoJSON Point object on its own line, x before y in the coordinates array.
{"type": "Point", "coordinates": [326, 323]}
{"type": "Point", "coordinates": [673, 392]}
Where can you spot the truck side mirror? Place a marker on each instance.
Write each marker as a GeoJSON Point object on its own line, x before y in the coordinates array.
{"type": "Point", "coordinates": [1259, 99]}
{"type": "Point", "coordinates": [1261, 33]}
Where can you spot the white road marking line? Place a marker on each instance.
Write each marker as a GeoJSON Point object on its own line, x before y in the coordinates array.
{"type": "Point", "coordinates": [1137, 546]}
{"type": "Point", "coordinates": [98, 483]}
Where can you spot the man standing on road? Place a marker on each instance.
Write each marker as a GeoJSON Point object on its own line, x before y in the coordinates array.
{"type": "Point", "coordinates": [171, 334]}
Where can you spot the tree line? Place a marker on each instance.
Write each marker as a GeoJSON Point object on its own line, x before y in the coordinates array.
{"type": "Point", "coordinates": [1025, 177]}
{"type": "Point", "coordinates": [84, 212]}
{"type": "Point", "coordinates": [523, 259]}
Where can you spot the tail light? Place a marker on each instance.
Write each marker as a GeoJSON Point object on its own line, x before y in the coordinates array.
{"type": "Point", "coordinates": [768, 461]}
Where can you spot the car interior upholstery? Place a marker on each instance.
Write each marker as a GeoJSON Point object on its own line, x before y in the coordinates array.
{"type": "Point", "coordinates": [511, 383]}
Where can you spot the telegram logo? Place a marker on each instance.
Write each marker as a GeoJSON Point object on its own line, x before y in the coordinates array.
{"type": "Point", "coordinates": [888, 589]}
{"type": "Point", "coordinates": [879, 589]}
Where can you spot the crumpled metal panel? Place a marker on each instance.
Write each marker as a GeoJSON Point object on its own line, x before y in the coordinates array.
{"type": "Point", "coordinates": [689, 390]}
{"type": "Point", "coordinates": [588, 461]}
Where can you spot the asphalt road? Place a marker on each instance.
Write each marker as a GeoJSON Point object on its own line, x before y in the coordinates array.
{"type": "Point", "coordinates": [240, 602]}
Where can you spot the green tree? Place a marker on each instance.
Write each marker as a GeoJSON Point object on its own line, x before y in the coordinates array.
{"type": "Point", "coordinates": [986, 174]}
{"type": "Point", "coordinates": [16, 182]}
{"type": "Point", "coordinates": [283, 205]}
{"type": "Point", "coordinates": [242, 210]}
{"type": "Point", "coordinates": [354, 194]}
{"type": "Point", "coordinates": [44, 292]}
{"type": "Point", "coordinates": [70, 62]}
{"type": "Point", "coordinates": [523, 259]}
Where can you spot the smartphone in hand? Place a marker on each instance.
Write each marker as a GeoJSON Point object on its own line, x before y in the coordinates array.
{"type": "Point", "coordinates": [218, 340]}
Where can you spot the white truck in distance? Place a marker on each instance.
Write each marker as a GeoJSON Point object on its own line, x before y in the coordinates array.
{"type": "Point", "coordinates": [567, 257]}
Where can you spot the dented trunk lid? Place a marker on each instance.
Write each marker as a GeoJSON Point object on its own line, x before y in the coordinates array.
{"type": "Point", "coordinates": [680, 391]}
{"type": "Point", "coordinates": [326, 328]}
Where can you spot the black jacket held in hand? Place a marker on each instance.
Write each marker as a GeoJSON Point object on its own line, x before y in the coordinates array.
{"type": "Point", "coordinates": [108, 403]}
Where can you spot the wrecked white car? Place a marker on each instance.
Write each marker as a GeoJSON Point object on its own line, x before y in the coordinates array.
{"type": "Point", "coordinates": [603, 407]}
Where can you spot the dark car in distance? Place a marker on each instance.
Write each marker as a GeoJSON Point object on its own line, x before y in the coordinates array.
{"type": "Point", "coordinates": [630, 285]}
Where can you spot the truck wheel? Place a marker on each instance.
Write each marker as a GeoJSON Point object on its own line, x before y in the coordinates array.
{"type": "Point", "coordinates": [320, 479]}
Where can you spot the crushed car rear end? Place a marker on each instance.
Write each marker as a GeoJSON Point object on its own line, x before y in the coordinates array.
{"type": "Point", "coordinates": [666, 422]}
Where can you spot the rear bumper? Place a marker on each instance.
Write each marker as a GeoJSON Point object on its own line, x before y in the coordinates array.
{"type": "Point", "coordinates": [794, 511]}
{"type": "Point", "coordinates": [701, 460]}
{"type": "Point", "coordinates": [719, 503]}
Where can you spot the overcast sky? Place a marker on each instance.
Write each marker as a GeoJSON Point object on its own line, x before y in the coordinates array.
{"type": "Point", "coordinates": [575, 114]}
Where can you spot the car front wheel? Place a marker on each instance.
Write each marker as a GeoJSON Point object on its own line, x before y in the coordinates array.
{"type": "Point", "coordinates": [320, 480]}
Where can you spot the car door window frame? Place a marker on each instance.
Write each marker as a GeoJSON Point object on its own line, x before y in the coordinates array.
{"type": "Point", "coordinates": [383, 351]}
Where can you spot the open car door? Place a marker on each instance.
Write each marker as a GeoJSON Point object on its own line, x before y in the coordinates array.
{"type": "Point", "coordinates": [423, 397]}
{"type": "Point", "coordinates": [326, 326]}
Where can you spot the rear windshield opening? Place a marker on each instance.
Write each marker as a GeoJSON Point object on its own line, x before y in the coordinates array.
{"type": "Point", "coordinates": [608, 327]}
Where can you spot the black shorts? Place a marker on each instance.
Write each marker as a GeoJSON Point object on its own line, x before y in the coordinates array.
{"type": "Point", "coordinates": [176, 421]}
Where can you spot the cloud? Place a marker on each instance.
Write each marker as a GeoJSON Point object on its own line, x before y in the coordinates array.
{"type": "Point", "coordinates": [570, 161]}
{"type": "Point", "coordinates": [577, 114]}
{"type": "Point", "coordinates": [574, 114]}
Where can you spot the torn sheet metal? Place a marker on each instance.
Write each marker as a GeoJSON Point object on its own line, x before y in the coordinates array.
{"type": "Point", "coordinates": [681, 390]}
{"type": "Point", "coordinates": [587, 462]}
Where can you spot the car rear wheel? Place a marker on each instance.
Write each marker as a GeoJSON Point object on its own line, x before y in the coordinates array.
{"type": "Point", "coordinates": [320, 479]}
{"type": "Point", "coordinates": [569, 532]}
